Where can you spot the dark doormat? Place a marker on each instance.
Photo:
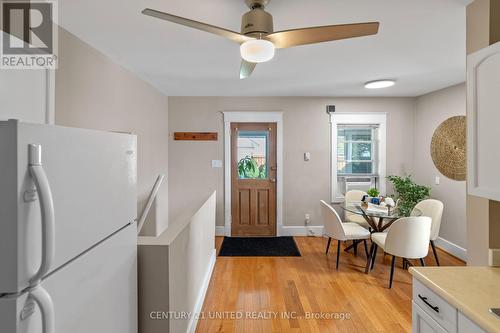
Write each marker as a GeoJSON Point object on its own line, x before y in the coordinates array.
{"type": "Point", "coordinates": [259, 247]}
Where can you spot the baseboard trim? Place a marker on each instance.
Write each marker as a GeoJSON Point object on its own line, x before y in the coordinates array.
{"type": "Point", "coordinates": [285, 230]}
{"type": "Point", "coordinates": [220, 230]}
{"type": "Point", "coordinates": [193, 321]}
{"type": "Point", "coordinates": [451, 248]}
{"type": "Point", "coordinates": [317, 230]}
{"type": "Point", "coordinates": [314, 230]}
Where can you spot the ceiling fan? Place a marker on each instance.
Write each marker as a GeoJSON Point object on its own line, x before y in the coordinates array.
{"type": "Point", "coordinates": [258, 40]}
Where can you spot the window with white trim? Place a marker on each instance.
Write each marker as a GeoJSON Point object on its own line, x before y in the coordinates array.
{"type": "Point", "coordinates": [358, 153]}
{"type": "Point", "coordinates": [356, 149]}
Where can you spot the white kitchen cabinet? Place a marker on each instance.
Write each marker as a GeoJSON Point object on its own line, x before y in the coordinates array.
{"type": "Point", "coordinates": [483, 118]}
{"type": "Point", "coordinates": [423, 323]}
{"type": "Point", "coordinates": [465, 325]}
{"type": "Point", "coordinates": [433, 314]}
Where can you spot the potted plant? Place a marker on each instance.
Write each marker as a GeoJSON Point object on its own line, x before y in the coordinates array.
{"type": "Point", "coordinates": [373, 194]}
{"type": "Point", "coordinates": [408, 193]}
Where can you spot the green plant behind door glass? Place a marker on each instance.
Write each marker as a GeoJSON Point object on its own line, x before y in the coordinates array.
{"type": "Point", "coordinates": [252, 154]}
{"type": "Point", "coordinates": [249, 169]}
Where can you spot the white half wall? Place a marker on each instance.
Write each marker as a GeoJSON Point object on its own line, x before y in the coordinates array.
{"type": "Point", "coordinates": [175, 270]}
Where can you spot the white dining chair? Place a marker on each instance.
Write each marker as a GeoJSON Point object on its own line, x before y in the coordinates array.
{"type": "Point", "coordinates": [355, 196]}
{"type": "Point", "coordinates": [434, 209]}
{"type": "Point", "coordinates": [336, 229]}
{"type": "Point", "coordinates": [407, 237]}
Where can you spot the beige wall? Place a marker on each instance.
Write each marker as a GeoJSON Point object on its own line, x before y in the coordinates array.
{"type": "Point", "coordinates": [494, 21]}
{"type": "Point", "coordinates": [306, 128]}
{"type": "Point", "coordinates": [93, 92]}
{"type": "Point", "coordinates": [431, 110]}
{"type": "Point", "coordinates": [15, 86]}
{"type": "Point", "coordinates": [478, 25]}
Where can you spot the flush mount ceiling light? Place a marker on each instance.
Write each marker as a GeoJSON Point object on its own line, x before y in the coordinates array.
{"type": "Point", "coordinates": [379, 84]}
{"type": "Point", "coordinates": [257, 50]}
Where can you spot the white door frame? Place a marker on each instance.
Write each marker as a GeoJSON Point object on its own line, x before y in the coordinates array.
{"type": "Point", "coordinates": [253, 117]}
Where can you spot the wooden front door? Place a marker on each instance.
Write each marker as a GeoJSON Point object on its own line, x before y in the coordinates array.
{"type": "Point", "coordinates": [253, 179]}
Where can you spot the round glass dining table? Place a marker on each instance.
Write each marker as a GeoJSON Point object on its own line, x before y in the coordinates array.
{"type": "Point", "coordinates": [379, 219]}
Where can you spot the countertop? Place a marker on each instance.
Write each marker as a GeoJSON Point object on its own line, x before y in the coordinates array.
{"type": "Point", "coordinates": [472, 290]}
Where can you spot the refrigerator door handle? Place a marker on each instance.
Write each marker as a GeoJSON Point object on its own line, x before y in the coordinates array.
{"type": "Point", "coordinates": [46, 209]}
{"type": "Point", "coordinates": [44, 301]}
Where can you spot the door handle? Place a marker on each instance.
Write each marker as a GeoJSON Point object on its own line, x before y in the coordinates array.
{"type": "Point", "coordinates": [44, 301]}
{"type": "Point", "coordinates": [46, 210]}
{"type": "Point", "coordinates": [272, 180]}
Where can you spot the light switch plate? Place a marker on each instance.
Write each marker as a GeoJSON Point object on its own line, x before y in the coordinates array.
{"type": "Point", "coordinates": [437, 180]}
{"type": "Point", "coordinates": [216, 164]}
{"type": "Point", "coordinates": [494, 257]}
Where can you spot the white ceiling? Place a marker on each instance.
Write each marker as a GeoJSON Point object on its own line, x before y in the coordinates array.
{"type": "Point", "coordinates": [421, 44]}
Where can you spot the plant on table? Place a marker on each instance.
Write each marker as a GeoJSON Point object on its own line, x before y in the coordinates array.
{"type": "Point", "coordinates": [408, 193]}
{"type": "Point", "coordinates": [373, 192]}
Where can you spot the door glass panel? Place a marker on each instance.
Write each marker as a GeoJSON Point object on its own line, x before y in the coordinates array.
{"type": "Point", "coordinates": [252, 154]}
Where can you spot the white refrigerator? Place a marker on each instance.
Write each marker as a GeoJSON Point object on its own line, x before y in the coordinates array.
{"type": "Point", "coordinates": [67, 232]}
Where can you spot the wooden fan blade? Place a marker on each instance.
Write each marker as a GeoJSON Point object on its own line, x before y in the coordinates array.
{"type": "Point", "coordinates": [233, 35]}
{"type": "Point", "coordinates": [295, 37]}
{"type": "Point", "coordinates": [246, 68]}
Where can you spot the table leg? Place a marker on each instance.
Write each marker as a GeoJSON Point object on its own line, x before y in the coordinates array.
{"type": "Point", "coordinates": [380, 223]}
{"type": "Point", "coordinates": [388, 224]}
{"type": "Point", "coordinates": [370, 221]}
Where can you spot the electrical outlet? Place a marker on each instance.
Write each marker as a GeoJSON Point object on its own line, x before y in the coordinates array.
{"type": "Point", "coordinates": [307, 218]}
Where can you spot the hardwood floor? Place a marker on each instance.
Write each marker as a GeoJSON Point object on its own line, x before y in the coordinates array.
{"type": "Point", "coordinates": [297, 287]}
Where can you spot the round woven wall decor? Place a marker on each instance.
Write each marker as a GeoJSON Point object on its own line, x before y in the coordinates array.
{"type": "Point", "coordinates": [448, 148]}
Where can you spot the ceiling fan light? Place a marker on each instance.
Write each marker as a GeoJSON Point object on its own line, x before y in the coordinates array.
{"type": "Point", "coordinates": [379, 84]}
{"type": "Point", "coordinates": [257, 50]}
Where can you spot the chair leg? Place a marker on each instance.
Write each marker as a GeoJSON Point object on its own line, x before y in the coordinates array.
{"type": "Point", "coordinates": [404, 263]}
{"type": "Point", "coordinates": [374, 256]}
{"type": "Point", "coordinates": [366, 247]}
{"type": "Point", "coordinates": [369, 258]}
{"type": "Point", "coordinates": [435, 252]}
{"type": "Point", "coordinates": [422, 262]}
{"type": "Point", "coordinates": [328, 244]}
{"type": "Point", "coordinates": [392, 271]}
{"type": "Point", "coordinates": [355, 246]}
{"type": "Point", "coordinates": [338, 254]}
